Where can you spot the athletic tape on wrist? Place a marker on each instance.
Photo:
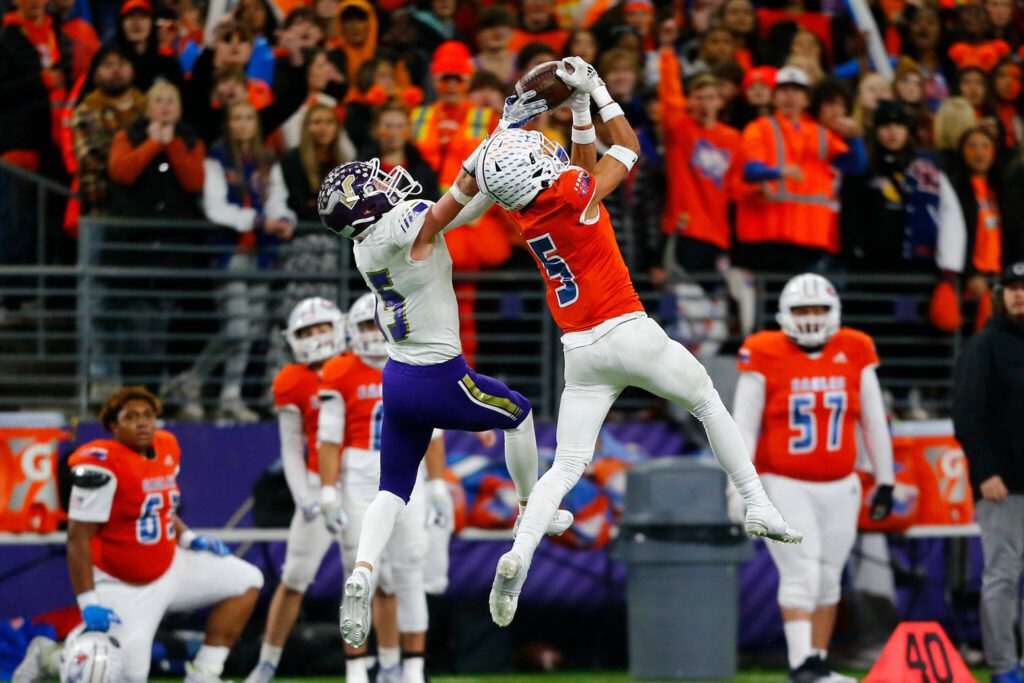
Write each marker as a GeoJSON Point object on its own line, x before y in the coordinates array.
{"type": "Point", "coordinates": [624, 155]}
{"type": "Point", "coordinates": [601, 97]}
{"type": "Point", "coordinates": [586, 136]}
{"type": "Point", "coordinates": [610, 111]}
{"type": "Point", "coordinates": [87, 599]}
{"type": "Point", "coordinates": [582, 117]}
{"type": "Point", "coordinates": [458, 195]}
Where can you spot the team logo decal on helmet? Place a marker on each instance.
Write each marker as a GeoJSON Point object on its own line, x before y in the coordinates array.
{"type": "Point", "coordinates": [354, 196]}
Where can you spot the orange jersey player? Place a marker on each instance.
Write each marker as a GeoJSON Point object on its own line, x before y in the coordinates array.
{"type": "Point", "coordinates": [315, 333]}
{"type": "Point", "coordinates": [131, 558]}
{"type": "Point", "coordinates": [608, 340]}
{"type": "Point", "coordinates": [802, 394]}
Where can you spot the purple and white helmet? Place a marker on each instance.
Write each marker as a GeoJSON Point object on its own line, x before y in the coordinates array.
{"type": "Point", "coordinates": [354, 196]}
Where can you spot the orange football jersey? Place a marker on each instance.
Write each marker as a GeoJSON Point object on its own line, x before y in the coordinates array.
{"type": "Point", "coordinates": [812, 405]}
{"type": "Point", "coordinates": [361, 387]}
{"type": "Point", "coordinates": [588, 281]}
{"type": "Point", "coordinates": [137, 543]}
{"type": "Point", "coordinates": [297, 385]}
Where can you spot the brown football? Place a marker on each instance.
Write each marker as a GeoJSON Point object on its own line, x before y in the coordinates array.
{"type": "Point", "coordinates": [549, 87]}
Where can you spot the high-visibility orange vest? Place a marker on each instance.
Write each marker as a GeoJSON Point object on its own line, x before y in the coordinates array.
{"type": "Point", "coordinates": [804, 213]}
{"type": "Point", "coordinates": [446, 135]}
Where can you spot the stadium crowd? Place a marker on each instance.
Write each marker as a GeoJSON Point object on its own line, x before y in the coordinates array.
{"type": "Point", "coordinates": [770, 142]}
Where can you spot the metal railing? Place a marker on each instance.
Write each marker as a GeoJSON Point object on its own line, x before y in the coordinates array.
{"type": "Point", "coordinates": [146, 300]}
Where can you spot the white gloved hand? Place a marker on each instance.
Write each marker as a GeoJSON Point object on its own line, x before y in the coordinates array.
{"type": "Point", "coordinates": [735, 505]}
{"type": "Point", "coordinates": [519, 111]}
{"type": "Point", "coordinates": [442, 507]}
{"type": "Point", "coordinates": [309, 509]}
{"type": "Point", "coordinates": [583, 78]}
{"type": "Point", "coordinates": [579, 102]}
{"type": "Point", "coordinates": [330, 506]}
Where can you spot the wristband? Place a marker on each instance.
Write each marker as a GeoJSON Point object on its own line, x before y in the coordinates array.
{"type": "Point", "coordinates": [458, 195]}
{"type": "Point", "coordinates": [329, 494]}
{"type": "Point", "coordinates": [87, 599]}
{"type": "Point", "coordinates": [587, 136]}
{"type": "Point", "coordinates": [610, 112]}
{"type": "Point", "coordinates": [186, 537]}
{"type": "Point", "coordinates": [601, 97]}
{"type": "Point", "coordinates": [623, 155]}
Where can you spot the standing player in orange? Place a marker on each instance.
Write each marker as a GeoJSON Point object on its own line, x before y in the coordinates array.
{"type": "Point", "coordinates": [802, 393]}
{"type": "Point", "coordinates": [609, 341]}
{"type": "Point", "coordinates": [351, 417]}
{"type": "Point", "coordinates": [132, 559]}
{"type": "Point", "coordinates": [315, 333]}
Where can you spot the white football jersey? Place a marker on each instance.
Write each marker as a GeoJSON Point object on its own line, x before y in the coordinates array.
{"type": "Point", "coordinates": [416, 305]}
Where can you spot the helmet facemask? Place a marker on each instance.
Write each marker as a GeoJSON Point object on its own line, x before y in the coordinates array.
{"type": "Point", "coordinates": [809, 330]}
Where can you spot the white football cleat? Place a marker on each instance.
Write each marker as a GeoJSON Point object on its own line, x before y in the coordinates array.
{"type": "Point", "coordinates": [390, 675]}
{"type": "Point", "coordinates": [355, 609]}
{"type": "Point", "coordinates": [262, 673]}
{"type": "Point", "coordinates": [39, 663]}
{"type": "Point", "coordinates": [509, 577]}
{"type": "Point", "coordinates": [558, 525]}
{"type": "Point", "coordinates": [764, 521]}
{"type": "Point", "coordinates": [195, 674]}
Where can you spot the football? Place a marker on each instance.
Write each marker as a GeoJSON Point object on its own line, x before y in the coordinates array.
{"type": "Point", "coordinates": [549, 87]}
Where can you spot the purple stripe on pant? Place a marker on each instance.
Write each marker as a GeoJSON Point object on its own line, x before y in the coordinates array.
{"type": "Point", "coordinates": [449, 395]}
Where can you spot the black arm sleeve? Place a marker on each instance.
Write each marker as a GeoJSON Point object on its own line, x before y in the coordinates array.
{"type": "Point", "coordinates": [290, 91]}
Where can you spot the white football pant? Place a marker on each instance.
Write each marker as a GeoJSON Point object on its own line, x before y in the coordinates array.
{"type": "Point", "coordinates": [308, 542]}
{"type": "Point", "coordinates": [811, 572]}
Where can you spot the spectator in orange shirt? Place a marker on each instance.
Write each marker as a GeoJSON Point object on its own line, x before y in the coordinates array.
{"type": "Point", "coordinates": [81, 36]}
{"type": "Point", "coordinates": [791, 221]}
{"type": "Point", "coordinates": [703, 167]}
{"type": "Point", "coordinates": [356, 33]}
{"type": "Point", "coordinates": [538, 22]}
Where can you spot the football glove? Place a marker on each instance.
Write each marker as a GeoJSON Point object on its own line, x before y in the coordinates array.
{"type": "Point", "coordinates": [442, 507]}
{"type": "Point", "coordinates": [881, 502]}
{"type": "Point", "coordinates": [98, 618]}
{"type": "Point", "coordinates": [584, 77]}
{"type": "Point", "coordinates": [209, 544]}
{"type": "Point", "coordinates": [519, 111]}
{"type": "Point", "coordinates": [330, 506]}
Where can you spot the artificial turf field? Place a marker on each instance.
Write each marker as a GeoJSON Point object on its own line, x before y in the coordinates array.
{"type": "Point", "coordinates": [752, 676]}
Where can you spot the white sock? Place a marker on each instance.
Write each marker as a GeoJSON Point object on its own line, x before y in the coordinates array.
{"type": "Point", "coordinates": [389, 656]}
{"type": "Point", "coordinates": [210, 659]}
{"type": "Point", "coordinates": [798, 641]}
{"type": "Point", "coordinates": [355, 670]}
{"type": "Point", "coordinates": [521, 456]}
{"type": "Point", "coordinates": [378, 523]}
{"type": "Point", "coordinates": [544, 501]}
{"type": "Point", "coordinates": [271, 653]}
{"type": "Point", "coordinates": [730, 451]}
{"type": "Point", "coordinates": [412, 670]}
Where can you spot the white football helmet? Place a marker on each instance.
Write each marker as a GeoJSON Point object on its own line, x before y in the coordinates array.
{"type": "Point", "coordinates": [319, 347]}
{"type": "Point", "coordinates": [515, 165]}
{"type": "Point", "coordinates": [809, 289]}
{"type": "Point", "coordinates": [369, 345]}
{"type": "Point", "coordinates": [91, 657]}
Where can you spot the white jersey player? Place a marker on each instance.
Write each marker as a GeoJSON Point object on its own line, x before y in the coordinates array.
{"type": "Point", "coordinates": [402, 256]}
{"type": "Point", "coordinates": [802, 394]}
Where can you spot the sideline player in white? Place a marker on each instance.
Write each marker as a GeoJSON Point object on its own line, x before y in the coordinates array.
{"type": "Point", "coordinates": [802, 393]}
{"type": "Point", "coordinates": [315, 334]}
{"type": "Point", "coordinates": [131, 558]}
{"type": "Point", "coordinates": [401, 253]}
{"type": "Point", "coordinates": [609, 342]}
{"type": "Point", "coordinates": [350, 432]}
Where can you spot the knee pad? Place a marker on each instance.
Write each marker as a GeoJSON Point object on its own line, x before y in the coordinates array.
{"type": "Point", "coordinates": [298, 573]}
{"type": "Point", "coordinates": [798, 587]}
{"type": "Point", "coordinates": [708, 403]}
{"type": "Point", "coordinates": [830, 585]}
{"type": "Point", "coordinates": [412, 599]}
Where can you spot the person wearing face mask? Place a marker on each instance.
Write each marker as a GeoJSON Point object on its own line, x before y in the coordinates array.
{"type": "Point", "coordinates": [988, 392]}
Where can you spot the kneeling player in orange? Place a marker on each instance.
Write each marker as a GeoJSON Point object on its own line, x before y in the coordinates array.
{"type": "Point", "coordinates": [802, 393]}
{"type": "Point", "coordinates": [131, 558]}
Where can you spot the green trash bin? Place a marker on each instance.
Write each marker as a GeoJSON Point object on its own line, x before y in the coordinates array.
{"type": "Point", "coordinates": [682, 554]}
